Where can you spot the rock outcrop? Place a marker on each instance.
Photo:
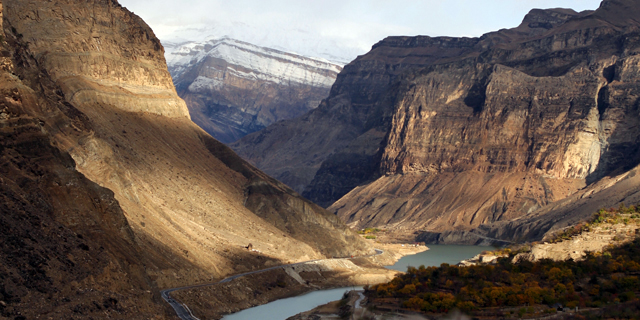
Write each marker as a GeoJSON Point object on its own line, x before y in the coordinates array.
{"type": "Point", "coordinates": [109, 191]}
{"type": "Point", "coordinates": [234, 88]}
{"type": "Point", "coordinates": [445, 134]}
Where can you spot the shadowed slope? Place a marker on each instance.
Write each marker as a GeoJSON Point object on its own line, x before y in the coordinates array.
{"type": "Point", "coordinates": [176, 198]}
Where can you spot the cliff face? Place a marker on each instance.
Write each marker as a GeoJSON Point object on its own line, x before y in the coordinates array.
{"type": "Point", "coordinates": [99, 53]}
{"type": "Point", "coordinates": [455, 133]}
{"type": "Point", "coordinates": [234, 88]}
{"type": "Point", "coordinates": [66, 247]}
{"type": "Point", "coordinates": [109, 191]}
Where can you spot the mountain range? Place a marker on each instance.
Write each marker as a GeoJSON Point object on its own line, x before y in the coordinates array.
{"type": "Point", "coordinates": [109, 192]}
{"type": "Point", "coordinates": [520, 131]}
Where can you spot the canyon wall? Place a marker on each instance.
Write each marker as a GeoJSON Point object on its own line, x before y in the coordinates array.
{"type": "Point", "coordinates": [450, 134]}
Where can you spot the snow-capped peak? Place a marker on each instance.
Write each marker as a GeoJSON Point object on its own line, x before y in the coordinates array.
{"type": "Point", "coordinates": [249, 61]}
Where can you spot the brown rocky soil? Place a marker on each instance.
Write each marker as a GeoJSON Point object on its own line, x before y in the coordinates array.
{"type": "Point", "coordinates": [66, 247]}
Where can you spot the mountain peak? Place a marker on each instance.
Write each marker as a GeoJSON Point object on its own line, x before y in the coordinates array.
{"type": "Point", "coordinates": [266, 63]}
{"type": "Point", "coordinates": [620, 13]}
{"type": "Point", "coordinates": [547, 18]}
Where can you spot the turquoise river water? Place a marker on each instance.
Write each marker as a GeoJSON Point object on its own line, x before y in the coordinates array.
{"type": "Point", "coordinates": [284, 308]}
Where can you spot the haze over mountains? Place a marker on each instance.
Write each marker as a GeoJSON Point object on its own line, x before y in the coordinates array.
{"type": "Point", "coordinates": [278, 37]}
{"type": "Point", "coordinates": [449, 134]}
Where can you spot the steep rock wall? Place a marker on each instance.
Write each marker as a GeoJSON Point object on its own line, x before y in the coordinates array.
{"type": "Point", "coordinates": [473, 143]}
{"type": "Point", "coordinates": [469, 131]}
{"type": "Point", "coordinates": [186, 202]}
{"type": "Point", "coordinates": [98, 53]}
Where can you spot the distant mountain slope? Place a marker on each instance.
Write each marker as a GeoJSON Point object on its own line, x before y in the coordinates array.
{"type": "Point", "coordinates": [444, 134]}
{"type": "Point", "coordinates": [233, 88]}
{"type": "Point", "coordinates": [109, 191]}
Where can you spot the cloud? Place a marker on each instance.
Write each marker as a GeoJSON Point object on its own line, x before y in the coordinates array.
{"type": "Point", "coordinates": [349, 24]}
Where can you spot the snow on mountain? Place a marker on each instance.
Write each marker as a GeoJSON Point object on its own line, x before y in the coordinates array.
{"type": "Point", "coordinates": [300, 40]}
{"type": "Point", "coordinates": [233, 88]}
{"type": "Point", "coordinates": [251, 62]}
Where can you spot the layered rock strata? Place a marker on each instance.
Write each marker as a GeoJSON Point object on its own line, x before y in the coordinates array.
{"type": "Point", "coordinates": [110, 192]}
{"type": "Point", "coordinates": [444, 134]}
{"type": "Point", "coordinates": [234, 88]}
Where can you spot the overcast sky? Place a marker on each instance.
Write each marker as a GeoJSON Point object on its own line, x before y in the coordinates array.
{"type": "Point", "coordinates": [334, 27]}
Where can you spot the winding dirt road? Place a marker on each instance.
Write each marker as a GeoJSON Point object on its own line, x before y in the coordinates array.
{"type": "Point", "coordinates": [185, 313]}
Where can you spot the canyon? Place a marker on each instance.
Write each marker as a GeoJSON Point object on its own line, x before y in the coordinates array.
{"type": "Point", "coordinates": [233, 88]}
{"type": "Point", "coordinates": [109, 191]}
{"type": "Point", "coordinates": [473, 140]}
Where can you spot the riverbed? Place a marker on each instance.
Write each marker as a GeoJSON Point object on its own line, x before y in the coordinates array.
{"type": "Point", "coordinates": [284, 308]}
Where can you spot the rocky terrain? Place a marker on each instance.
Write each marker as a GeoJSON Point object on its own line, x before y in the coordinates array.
{"type": "Point", "coordinates": [109, 191]}
{"type": "Point", "coordinates": [234, 88]}
{"type": "Point", "coordinates": [470, 139]}
{"type": "Point", "coordinates": [593, 241]}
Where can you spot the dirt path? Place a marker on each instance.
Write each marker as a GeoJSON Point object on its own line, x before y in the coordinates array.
{"type": "Point", "coordinates": [183, 311]}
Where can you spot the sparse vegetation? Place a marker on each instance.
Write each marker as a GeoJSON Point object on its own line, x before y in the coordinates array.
{"type": "Point", "coordinates": [526, 289]}
{"type": "Point", "coordinates": [369, 230]}
{"type": "Point", "coordinates": [622, 214]}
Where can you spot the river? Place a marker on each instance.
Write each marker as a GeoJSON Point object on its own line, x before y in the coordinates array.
{"type": "Point", "coordinates": [437, 255]}
{"type": "Point", "coordinates": [284, 308]}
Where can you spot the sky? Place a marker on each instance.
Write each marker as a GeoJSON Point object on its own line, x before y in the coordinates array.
{"type": "Point", "coordinates": [333, 29]}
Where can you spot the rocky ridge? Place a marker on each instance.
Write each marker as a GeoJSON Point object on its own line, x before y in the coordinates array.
{"type": "Point", "coordinates": [110, 192]}
{"type": "Point", "coordinates": [234, 88]}
{"type": "Point", "coordinates": [450, 134]}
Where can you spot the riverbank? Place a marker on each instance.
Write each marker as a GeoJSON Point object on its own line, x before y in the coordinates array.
{"type": "Point", "coordinates": [352, 306]}
{"type": "Point", "coordinates": [435, 256]}
{"type": "Point", "coordinates": [212, 302]}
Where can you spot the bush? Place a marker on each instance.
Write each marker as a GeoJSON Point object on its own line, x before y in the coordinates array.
{"type": "Point", "coordinates": [627, 296]}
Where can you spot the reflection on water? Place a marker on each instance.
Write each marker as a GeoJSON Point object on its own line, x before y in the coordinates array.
{"type": "Point", "coordinates": [437, 255]}
{"type": "Point", "coordinates": [284, 308]}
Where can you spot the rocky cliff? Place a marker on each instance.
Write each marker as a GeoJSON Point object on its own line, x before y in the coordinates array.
{"type": "Point", "coordinates": [234, 88]}
{"type": "Point", "coordinates": [445, 134]}
{"type": "Point", "coordinates": [109, 191]}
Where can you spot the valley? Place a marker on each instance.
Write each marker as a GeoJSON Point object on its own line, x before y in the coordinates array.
{"type": "Point", "coordinates": [141, 179]}
{"type": "Point", "coordinates": [110, 191]}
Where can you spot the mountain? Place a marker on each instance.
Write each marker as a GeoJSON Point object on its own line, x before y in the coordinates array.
{"type": "Point", "coordinates": [234, 88]}
{"type": "Point", "coordinates": [448, 135]}
{"type": "Point", "coordinates": [278, 35]}
{"type": "Point", "coordinates": [108, 191]}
